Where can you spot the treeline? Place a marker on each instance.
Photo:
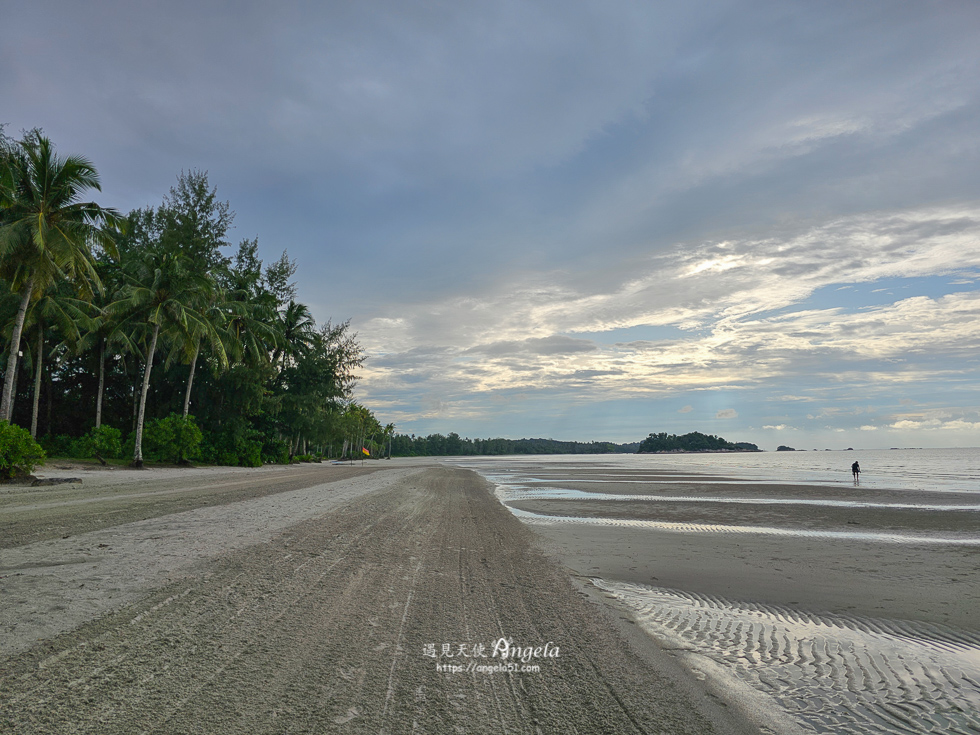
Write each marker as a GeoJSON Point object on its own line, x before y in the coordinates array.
{"type": "Point", "coordinates": [437, 445]}
{"type": "Point", "coordinates": [693, 442]}
{"type": "Point", "coordinates": [151, 336]}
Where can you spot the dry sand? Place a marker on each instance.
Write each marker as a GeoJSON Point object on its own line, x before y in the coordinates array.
{"type": "Point", "coordinates": [309, 599]}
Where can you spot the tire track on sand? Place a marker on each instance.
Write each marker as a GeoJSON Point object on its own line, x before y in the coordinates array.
{"type": "Point", "coordinates": [325, 629]}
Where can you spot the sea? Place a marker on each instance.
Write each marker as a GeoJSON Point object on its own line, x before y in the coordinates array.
{"type": "Point", "coordinates": [821, 672]}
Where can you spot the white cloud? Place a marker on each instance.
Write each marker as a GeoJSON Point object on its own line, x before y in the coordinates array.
{"type": "Point", "coordinates": [934, 424]}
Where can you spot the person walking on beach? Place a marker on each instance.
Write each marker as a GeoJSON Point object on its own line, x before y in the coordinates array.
{"type": "Point", "coordinates": [856, 470]}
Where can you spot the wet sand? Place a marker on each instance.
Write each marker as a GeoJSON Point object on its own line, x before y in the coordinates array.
{"type": "Point", "coordinates": [930, 582]}
{"type": "Point", "coordinates": [807, 608]}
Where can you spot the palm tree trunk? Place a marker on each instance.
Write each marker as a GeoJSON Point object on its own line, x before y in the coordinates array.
{"type": "Point", "coordinates": [50, 382]}
{"type": "Point", "coordinates": [7, 402]}
{"type": "Point", "coordinates": [190, 379]}
{"type": "Point", "coordinates": [138, 450]}
{"type": "Point", "coordinates": [37, 379]}
{"type": "Point", "coordinates": [98, 397]}
{"type": "Point", "coordinates": [136, 396]}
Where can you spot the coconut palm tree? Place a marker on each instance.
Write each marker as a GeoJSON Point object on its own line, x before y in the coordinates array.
{"type": "Point", "coordinates": [68, 316]}
{"type": "Point", "coordinates": [46, 233]}
{"type": "Point", "coordinates": [102, 333]}
{"type": "Point", "coordinates": [162, 292]}
{"type": "Point", "coordinates": [186, 340]}
{"type": "Point", "coordinates": [299, 334]}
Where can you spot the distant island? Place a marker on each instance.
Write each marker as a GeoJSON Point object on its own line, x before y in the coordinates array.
{"type": "Point", "coordinates": [453, 445]}
{"type": "Point", "coordinates": [693, 442]}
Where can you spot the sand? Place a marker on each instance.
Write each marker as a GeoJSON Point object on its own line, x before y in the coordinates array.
{"type": "Point", "coordinates": [312, 599]}
{"type": "Point", "coordinates": [319, 598]}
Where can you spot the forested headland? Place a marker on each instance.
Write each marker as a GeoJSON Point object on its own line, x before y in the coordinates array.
{"type": "Point", "coordinates": [692, 442]}
{"type": "Point", "coordinates": [151, 336]}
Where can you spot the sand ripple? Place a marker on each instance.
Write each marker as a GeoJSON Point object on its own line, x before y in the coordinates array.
{"type": "Point", "coordinates": [832, 673]}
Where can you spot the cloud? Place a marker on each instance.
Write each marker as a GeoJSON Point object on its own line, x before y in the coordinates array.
{"type": "Point", "coordinates": [551, 345]}
{"type": "Point", "coordinates": [488, 190]}
{"type": "Point", "coordinates": [726, 413]}
{"type": "Point", "coordinates": [685, 409]}
{"type": "Point", "coordinates": [935, 424]}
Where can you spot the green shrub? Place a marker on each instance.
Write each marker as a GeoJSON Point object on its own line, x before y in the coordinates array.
{"type": "Point", "coordinates": [104, 441]}
{"type": "Point", "coordinates": [59, 445]}
{"type": "Point", "coordinates": [238, 445]}
{"type": "Point", "coordinates": [19, 453]}
{"type": "Point", "coordinates": [275, 451]}
{"type": "Point", "coordinates": [173, 439]}
{"type": "Point", "coordinates": [129, 445]}
{"type": "Point", "coordinates": [250, 455]}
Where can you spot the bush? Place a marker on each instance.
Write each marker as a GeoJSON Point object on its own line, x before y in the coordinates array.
{"type": "Point", "coordinates": [59, 445]}
{"type": "Point", "coordinates": [174, 439]}
{"type": "Point", "coordinates": [238, 445]}
{"type": "Point", "coordinates": [19, 453]}
{"type": "Point", "coordinates": [129, 445]}
{"type": "Point", "coordinates": [103, 441]}
{"type": "Point", "coordinates": [275, 451]}
{"type": "Point", "coordinates": [250, 455]}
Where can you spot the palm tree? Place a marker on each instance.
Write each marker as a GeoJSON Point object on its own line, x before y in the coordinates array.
{"type": "Point", "coordinates": [162, 292]}
{"type": "Point", "coordinates": [299, 334]}
{"type": "Point", "coordinates": [186, 340]}
{"type": "Point", "coordinates": [103, 333]}
{"type": "Point", "coordinates": [65, 313]}
{"type": "Point", "coordinates": [46, 233]}
{"type": "Point", "coordinates": [251, 320]}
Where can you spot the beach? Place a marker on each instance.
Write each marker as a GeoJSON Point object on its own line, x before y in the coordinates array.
{"type": "Point", "coordinates": [312, 598]}
{"type": "Point", "coordinates": [503, 596]}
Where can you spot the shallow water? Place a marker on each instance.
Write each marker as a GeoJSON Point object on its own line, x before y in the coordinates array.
{"type": "Point", "coordinates": [949, 470]}
{"type": "Point", "coordinates": [879, 536]}
{"type": "Point", "coordinates": [521, 492]}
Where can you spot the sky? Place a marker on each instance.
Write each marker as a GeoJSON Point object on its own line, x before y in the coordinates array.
{"type": "Point", "coordinates": [571, 219]}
